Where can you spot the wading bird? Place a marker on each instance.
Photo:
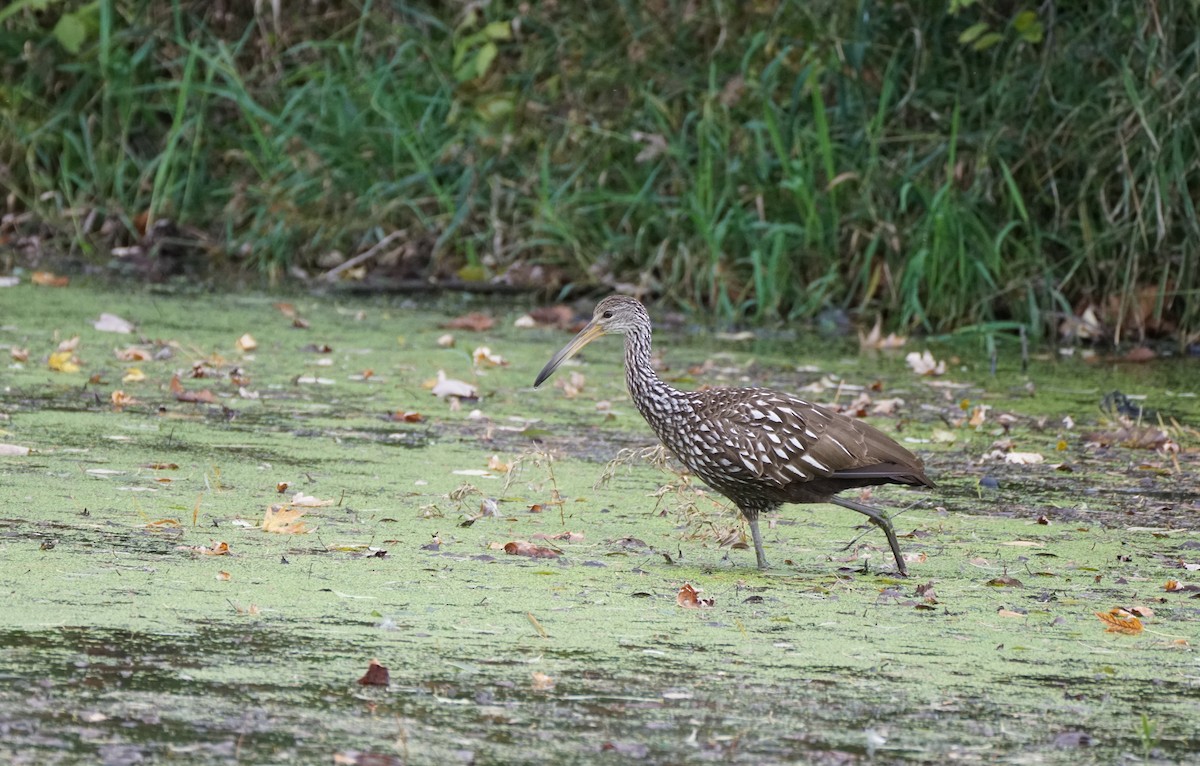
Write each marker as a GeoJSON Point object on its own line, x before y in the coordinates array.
{"type": "Point", "coordinates": [758, 447]}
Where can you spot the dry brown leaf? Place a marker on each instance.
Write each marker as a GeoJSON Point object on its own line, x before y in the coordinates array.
{"type": "Point", "coordinates": [1010, 613]}
{"type": "Point", "coordinates": [1120, 621]}
{"type": "Point", "coordinates": [132, 354]}
{"type": "Point", "coordinates": [406, 416]}
{"type": "Point", "coordinates": [689, 598]}
{"type": "Point", "coordinates": [542, 682]}
{"type": "Point", "coordinates": [496, 464]}
{"type": "Point", "coordinates": [875, 340]}
{"type": "Point", "coordinates": [121, 399]}
{"type": "Point", "coordinates": [474, 321]}
{"type": "Point", "coordinates": [49, 279]}
{"type": "Point", "coordinates": [183, 395]}
{"type": "Point", "coordinates": [570, 537]}
{"type": "Point", "coordinates": [559, 316]}
{"type": "Point", "coordinates": [483, 357]}
{"type": "Point", "coordinates": [525, 548]}
{"type": "Point", "coordinates": [284, 520]}
{"type": "Point", "coordinates": [223, 576]}
{"type": "Point", "coordinates": [376, 675]}
{"type": "Point", "coordinates": [220, 549]}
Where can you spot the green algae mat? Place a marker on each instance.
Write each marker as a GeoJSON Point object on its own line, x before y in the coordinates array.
{"type": "Point", "coordinates": [224, 516]}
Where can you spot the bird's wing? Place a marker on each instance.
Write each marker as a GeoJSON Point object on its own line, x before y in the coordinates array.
{"type": "Point", "coordinates": [783, 440]}
{"type": "Point", "coordinates": [777, 437]}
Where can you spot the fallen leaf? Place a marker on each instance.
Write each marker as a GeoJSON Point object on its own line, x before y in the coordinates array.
{"type": "Point", "coordinates": [496, 464]}
{"type": "Point", "coordinates": [376, 675]}
{"type": "Point", "coordinates": [113, 323]}
{"type": "Point", "coordinates": [875, 340]}
{"type": "Point", "coordinates": [1005, 582]}
{"type": "Point", "coordinates": [247, 343]}
{"type": "Point", "coordinates": [446, 341]}
{"type": "Point", "coordinates": [406, 416]}
{"type": "Point", "coordinates": [689, 598]}
{"type": "Point", "coordinates": [133, 375]}
{"type": "Point", "coordinates": [220, 549]}
{"type": "Point", "coordinates": [1141, 611]}
{"type": "Point", "coordinates": [121, 399]}
{"type": "Point", "coordinates": [445, 387]}
{"type": "Point", "coordinates": [1024, 458]}
{"type": "Point", "coordinates": [886, 406]}
{"type": "Point", "coordinates": [49, 279]}
{"type": "Point", "coordinates": [19, 354]}
{"type": "Point", "coordinates": [474, 321]}
{"type": "Point", "coordinates": [13, 450]}
{"type": "Point", "coordinates": [542, 682]}
{"type": "Point", "coordinates": [63, 361]}
{"type": "Point", "coordinates": [70, 344]}
{"type": "Point", "coordinates": [308, 501]}
{"type": "Point", "coordinates": [281, 487]}
{"type": "Point", "coordinates": [198, 397]}
{"type": "Point", "coordinates": [483, 357]}
{"type": "Point", "coordinates": [570, 537]}
{"type": "Point", "coordinates": [284, 520]}
{"type": "Point", "coordinates": [1120, 621]}
{"type": "Point", "coordinates": [223, 576]}
{"type": "Point", "coordinates": [559, 316]}
{"type": "Point", "coordinates": [132, 354]}
{"type": "Point", "coordinates": [925, 364]}
{"type": "Point", "coordinates": [978, 416]}
{"type": "Point", "coordinates": [524, 548]}
{"type": "Point", "coordinates": [1010, 613]}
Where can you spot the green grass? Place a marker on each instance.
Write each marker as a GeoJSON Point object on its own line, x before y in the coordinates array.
{"type": "Point", "coordinates": [760, 161]}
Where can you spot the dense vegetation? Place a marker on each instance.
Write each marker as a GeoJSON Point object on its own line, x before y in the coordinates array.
{"type": "Point", "coordinates": [946, 163]}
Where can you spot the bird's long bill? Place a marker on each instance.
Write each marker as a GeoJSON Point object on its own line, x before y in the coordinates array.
{"type": "Point", "coordinates": [585, 336]}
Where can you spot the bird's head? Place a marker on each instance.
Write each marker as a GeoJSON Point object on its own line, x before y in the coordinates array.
{"type": "Point", "coordinates": [615, 315]}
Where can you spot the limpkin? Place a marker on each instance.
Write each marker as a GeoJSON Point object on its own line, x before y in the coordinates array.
{"type": "Point", "coordinates": [758, 447]}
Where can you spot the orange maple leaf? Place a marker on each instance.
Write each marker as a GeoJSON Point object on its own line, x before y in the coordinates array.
{"type": "Point", "coordinates": [1120, 621]}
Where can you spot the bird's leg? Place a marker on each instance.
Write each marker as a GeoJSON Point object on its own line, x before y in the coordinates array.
{"type": "Point", "coordinates": [752, 517]}
{"type": "Point", "coordinates": [883, 522]}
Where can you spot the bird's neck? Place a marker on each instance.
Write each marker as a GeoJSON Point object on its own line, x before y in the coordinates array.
{"type": "Point", "coordinates": [654, 397]}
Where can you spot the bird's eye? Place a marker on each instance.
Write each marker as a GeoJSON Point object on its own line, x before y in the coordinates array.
{"type": "Point", "coordinates": [608, 315]}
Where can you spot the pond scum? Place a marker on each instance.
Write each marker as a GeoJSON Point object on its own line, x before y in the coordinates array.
{"type": "Point", "coordinates": [207, 577]}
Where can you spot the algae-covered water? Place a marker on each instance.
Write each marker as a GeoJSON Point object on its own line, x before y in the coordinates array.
{"type": "Point", "coordinates": [148, 617]}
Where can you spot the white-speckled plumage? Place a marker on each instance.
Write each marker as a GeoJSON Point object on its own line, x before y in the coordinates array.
{"type": "Point", "coordinates": [758, 447]}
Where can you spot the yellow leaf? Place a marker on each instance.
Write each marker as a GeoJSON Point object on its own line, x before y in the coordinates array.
{"type": "Point", "coordinates": [284, 520]}
{"type": "Point", "coordinates": [133, 375]}
{"type": "Point", "coordinates": [247, 343]}
{"type": "Point", "coordinates": [62, 361]}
